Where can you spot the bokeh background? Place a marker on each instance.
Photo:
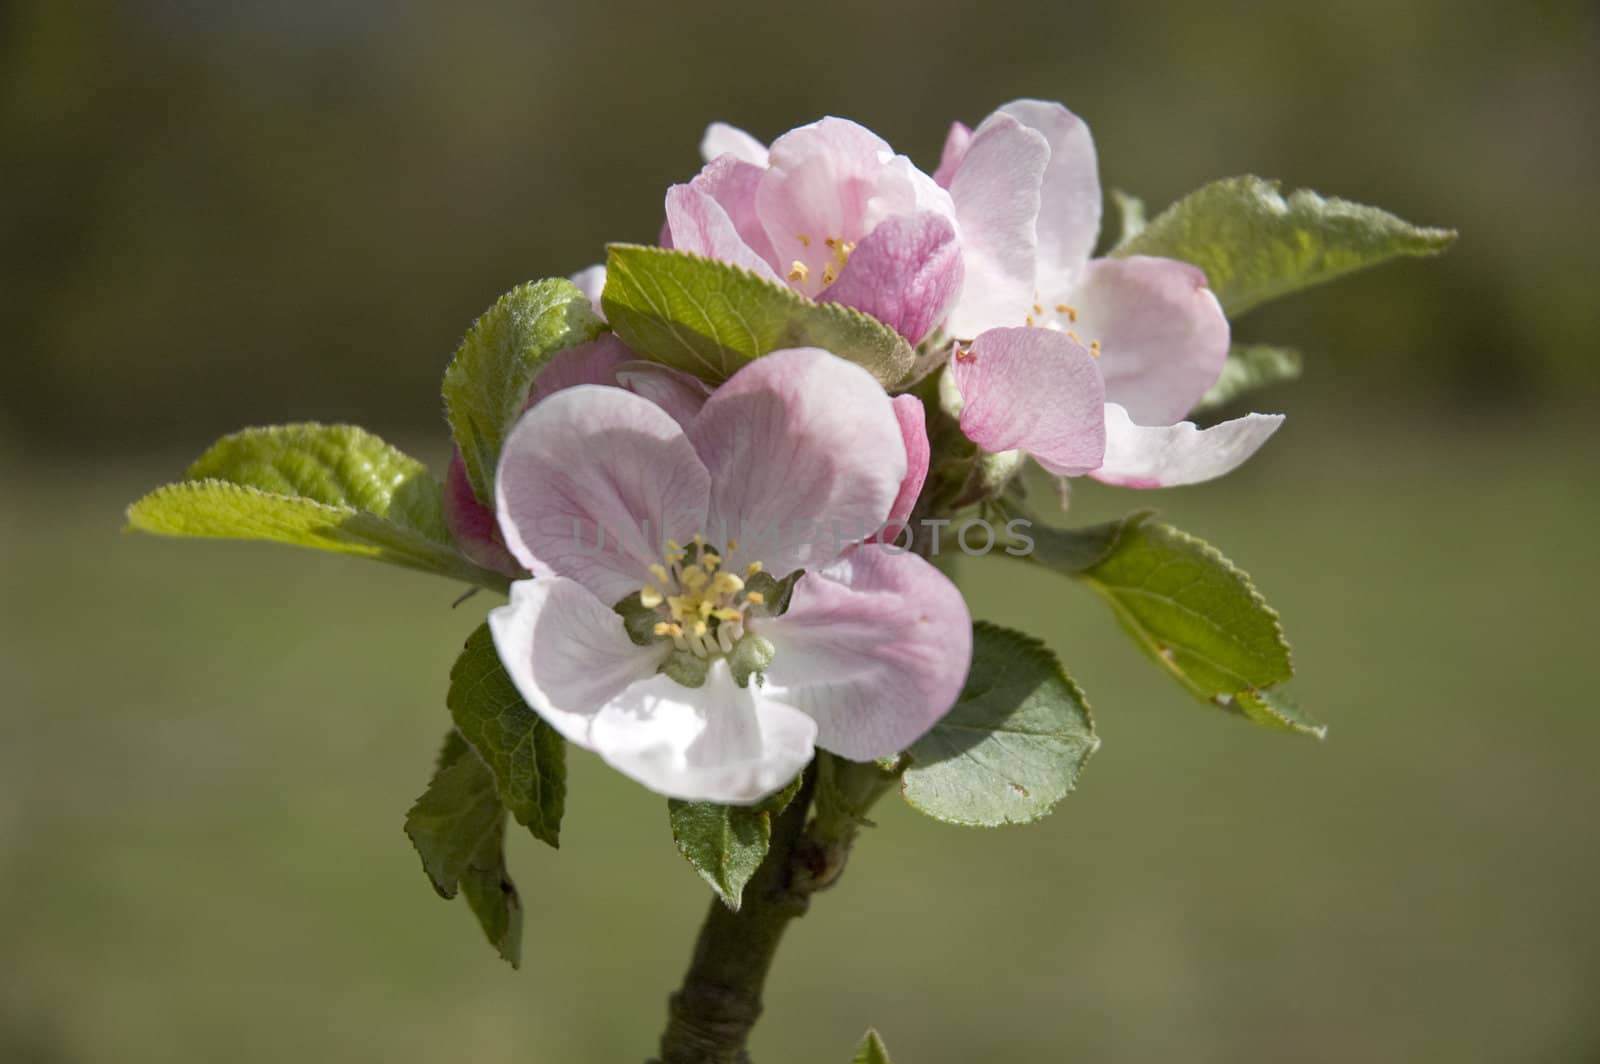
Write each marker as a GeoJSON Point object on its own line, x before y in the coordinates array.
{"type": "Point", "coordinates": [217, 214]}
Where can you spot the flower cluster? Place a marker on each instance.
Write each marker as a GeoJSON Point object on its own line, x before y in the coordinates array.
{"type": "Point", "coordinates": [659, 624]}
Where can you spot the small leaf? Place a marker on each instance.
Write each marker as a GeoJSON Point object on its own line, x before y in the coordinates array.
{"type": "Point", "coordinates": [1249, 367]}
{"type": "Point", "coordinates": [1193, 610]}
{"type": "Point", "coordinates": [1254, 244]}
{"type": "Point", "coordinates": [458, 829]}
{"type": "Point", "coordinates": [329, 487]}
{"type": "Point", "coordinates": [724, 843]}
{"type": "Point", "coordinates": [486, 384]}
{"type": "Point", "coordinates": [872, 1050]}
{"type": "Point", "coordinates": [1013, 744]}
{"type": "Point", "coordinates": [709, 318]}
{"type": "Point", "coordinates": [525, 756]}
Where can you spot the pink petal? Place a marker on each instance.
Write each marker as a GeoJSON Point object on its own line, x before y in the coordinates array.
{"type": "Point", "coordinates": [1163, 336]}
{"type": "Point", "coordinates": [589, 462]}
{"type": "Point", "coordinates": [875, 648]}
{"type": "Point", "coordinates": [697, 223]}
{"type": "Point", "coordinates": [591, 282]}
{"type": "Point", "coordinates": [732, 183]}
{"type": "Point", "coordinates": [472, 524]}
{"type": "Point", "coordinates": [905, 273]}
{"type": "Point", "coordinates": [1167, 456]}
{"type": "Point", "coordinates": [820, 183]}
{"type": "Point", "coordinates": [914, 431]}
{"type": "Point", "coordinates": [595, 362]}
{"type": "Point", "coordinates": [567, 653]}
{"type": "Point", "coordinates": [1035, 390]}
{"type": "Point", "coordinates": [717, 743]}
{"type": "Point", "coordinates": [956, 143]}
{"type": "Point", "coordinates": [679, 394]}
{"type": "Point", "coordinates": [805, 455]}
{"type": "Point", "coordinates": [1069, 203]}
{"type": "Point", "coordinates": [996, 195]}
{"type": "Point", "coordinates": [723, 139]}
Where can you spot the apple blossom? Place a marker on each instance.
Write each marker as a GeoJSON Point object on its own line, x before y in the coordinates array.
{"type": "Point", "coordinates": [830, 210]}
{"type": "Point", "coordinates": [607, 500]}
{"type": "Point", "coordinates": [1044, 319]}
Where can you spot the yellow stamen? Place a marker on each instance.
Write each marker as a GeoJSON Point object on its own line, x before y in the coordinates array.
{"type": "Point", "coordinates": [1037, 309]}
{"type": "Point", "coordinates": [710, 560]}
{"type": "Point", "coordinates": [799, 271]}
{"type": "Point", "coordinates": [805, 241]}
{"type": "Point", "coordinates": [727, 614]}
{"type": "Point", "coordinates": [1029, 319]}
{"type": "Point", "coordinates": [694, 578]}
{"type": "Point", "coordinates": [650, 596]}
{"type": "Point", "coordinates": [1094, 348]}
{"type": "Point", "coordinates": [755, 598]}
{"type": "Point", "coordinates": [666, 628]}
{"type": "Point", "coordinates": [1070, 312]}
{"type": "Point", "coordinates": [660, 573]}
{"type": "Point", "coordinates": [733, 545]}
{"type": "Point", "coordinates": [700, 629]}
{"type": "Point", "coordinates": [725, 583]}
{"type": "Point", "coordinates": [752, 569]}
{"type": "Point", "coordinates": [828, 275]}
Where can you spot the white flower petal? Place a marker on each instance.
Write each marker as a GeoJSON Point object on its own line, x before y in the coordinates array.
{"type": "Point", "coordinates": [717, 743]}
{"type": "Point", "coordinates": [1169, 456]}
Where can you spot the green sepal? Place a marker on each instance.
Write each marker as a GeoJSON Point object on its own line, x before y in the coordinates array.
{"type": "Point", "coordinates": [336, 488]}
{"type": "Point", "coordinates": [775, 593]}
{"type": "Point", "coordinates": [1256, 244]}
{"type": "Point", "coordinates": [487, 382]}
{"type": "Point", "coordinates": [525, 756]}
{"type": "Point", "coordinates": [1013, 744]}
{"type": "Point", "coordinates": [709, 318]}
{"type": "Point", "coordinates": [458, 828]}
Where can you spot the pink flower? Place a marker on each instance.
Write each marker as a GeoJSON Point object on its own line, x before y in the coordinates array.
{"type": "Point", "coordinates": [1087, 364]}
{"type": "Point", "coordinates": [606, 499]}
{"type": "Point", "coordinates": [830, 210]}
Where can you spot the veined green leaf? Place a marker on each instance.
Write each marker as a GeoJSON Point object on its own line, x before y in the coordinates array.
{"type": "Point", "coordinates": [871, 1050]}
{"type": "Point", "coordinates": [709, 318]}
{"type": "Point", "coordinates": [525, 756]}
{"type": "Point", "coordinates": [330, 487]}
{"type": "Point", "coordinates": [1189, 608]}
{"type": "Point", "coordinates": [1013, 744]}
{"type": "Point", "coordinates": [458, 827]}
{"type": "Point", "coordinates": [486, 384]}
{"type": "Point", "coordinates": [1250, 366]}
{"type": "Point", "coordinates": [724, 843]}
{"type": "Point", "coordinates": [1255, 244]}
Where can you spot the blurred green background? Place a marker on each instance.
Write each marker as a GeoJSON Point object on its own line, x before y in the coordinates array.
{"type": "Point", "coordinates": [217, 214]}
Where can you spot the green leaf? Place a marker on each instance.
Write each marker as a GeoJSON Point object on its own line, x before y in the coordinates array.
{"type": "Point", "coordinates": [1249, 367]}
{"type": "Point", "coordinates": [1275, 709]}
{"type": "Point", "coordinates": [1255, 244]}
{"type": "Point", "coordinates": [330, 487]}
{"type": "Point", "coordinates": [1013, 744]}
{"type": "Point", "coordinates": [486, 384]}
{"type": "Point", "coordinates": [724, 843]}
{"type": "Point", "coordinates": [872, 1050]}
{"type": "Point", "coordinates": [709, 318]}
{"type": "Point", "coordinates": [526, 757]}
{"type": "Point", "coordinates": [458, 828]}
{"type": "Point", "coordinates": [1193, 610]}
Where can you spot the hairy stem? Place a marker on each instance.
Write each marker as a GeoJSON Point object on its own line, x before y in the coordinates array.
{"type": "Point", "coordinates": [711, 1016]}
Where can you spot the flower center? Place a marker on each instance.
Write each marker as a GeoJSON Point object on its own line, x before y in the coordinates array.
{"type": "Point", "coordinates": [1060, 318]}
{"type": "Point", "coordinates": [839, 250]}
{"type": "Point", "coordinates": [702, 605]}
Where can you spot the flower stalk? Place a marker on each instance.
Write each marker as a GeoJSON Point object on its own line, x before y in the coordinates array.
{"type": "Point", "coordinates": [711, 1015]}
